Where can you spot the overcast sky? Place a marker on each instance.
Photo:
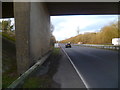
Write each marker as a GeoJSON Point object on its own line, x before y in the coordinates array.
{"type": "Point", "coordinates": [66, 26]}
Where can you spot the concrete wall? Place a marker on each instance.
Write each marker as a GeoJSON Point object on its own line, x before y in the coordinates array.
{"type": "Point", "coordinates": [39, 30]}
{"type": "Point", "coordinates": [32, 22]}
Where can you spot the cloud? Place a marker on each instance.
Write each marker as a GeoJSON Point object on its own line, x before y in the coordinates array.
{"type": "Point", "coordinates": [66, 26]}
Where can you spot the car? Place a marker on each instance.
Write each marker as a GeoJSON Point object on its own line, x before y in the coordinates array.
{"type": "Point", "coordinates": [68, 45]}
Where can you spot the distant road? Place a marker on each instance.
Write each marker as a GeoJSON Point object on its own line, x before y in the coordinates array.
{"type": "Point", "coordinates": [98, 67]}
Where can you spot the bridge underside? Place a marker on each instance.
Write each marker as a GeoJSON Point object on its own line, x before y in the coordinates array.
{"type": "Point", "coordinates": [32, 25]}
{"type": "Point", "coordinates": [69, 8]}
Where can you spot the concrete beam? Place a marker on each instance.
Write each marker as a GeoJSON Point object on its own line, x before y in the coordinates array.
{"type": "Point", "coordinates": [7, 10]}
{"type": "Point", "coordinates": [70, 8]}
{"type": "Point", "coordinates": [82, 8]}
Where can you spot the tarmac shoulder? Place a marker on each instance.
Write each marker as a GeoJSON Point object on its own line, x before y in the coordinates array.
{"type": "Point", "coordinates": [66, 75]}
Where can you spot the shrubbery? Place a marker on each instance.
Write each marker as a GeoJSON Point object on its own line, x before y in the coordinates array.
{"type": "Point", "coordinates": [104, 36]}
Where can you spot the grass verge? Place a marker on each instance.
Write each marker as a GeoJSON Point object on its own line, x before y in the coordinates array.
{"type": "Point", "coordinates": [45, 80]}
{"type": "Point", "coordinates": [9, 36]}
{"type": "Point", "coordinates": [9, 66]}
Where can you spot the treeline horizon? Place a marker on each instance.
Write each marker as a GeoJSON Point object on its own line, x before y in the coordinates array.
{"type": "Point", "coordinates": [104, 36]}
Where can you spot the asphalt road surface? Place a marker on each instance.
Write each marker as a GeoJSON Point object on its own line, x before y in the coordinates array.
{"type": "Point", "coordinates": [98, 67]}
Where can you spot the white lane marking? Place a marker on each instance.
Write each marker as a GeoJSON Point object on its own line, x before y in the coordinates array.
{"type": "Point", "coordinates": [76, 70]}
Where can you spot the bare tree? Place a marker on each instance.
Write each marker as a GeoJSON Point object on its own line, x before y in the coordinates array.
{"type": "Point", "coordinates": [51, 28]}
{"type": "Point", "coordinates": [78, 30]}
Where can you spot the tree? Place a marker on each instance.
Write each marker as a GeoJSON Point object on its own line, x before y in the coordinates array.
{"type": "Point", "coordinates": [10, 27]}
{"type": "Point", "coordinates": [52, 38]}
{"type": "Point", "coordinates": [6, 25]}
{"type": "Point", "coordinates": [108, 33]}
{"type": "Point", "coordinates": [51, 28]}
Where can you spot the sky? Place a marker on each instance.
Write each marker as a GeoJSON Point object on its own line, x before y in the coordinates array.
{"type": "Point", "coordinates": [67, 26]}
{"type": "Point", "coordinates": [12, 20]}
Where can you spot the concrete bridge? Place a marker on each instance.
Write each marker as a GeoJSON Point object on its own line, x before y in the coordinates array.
{"type": "Point", "coordinates": [32, 24]}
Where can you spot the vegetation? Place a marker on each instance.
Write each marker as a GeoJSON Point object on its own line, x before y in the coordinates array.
{"type": "Point", "coordinates": [52, 41]}
{"type": "Point", "coordinates": [9, 36]}
{"type": "Point", "coordinates": [6, 26]}
{"type": "Point", "coordinates": [7, 30]}
{"type": "Point", "coordinates": [9, 66]}
{"type": "Point", "coordinates": [103, 37]}
{"type": "Point", "coordinates": [52, 38]}
{"type": "Point", "coordinates": [45, 80]}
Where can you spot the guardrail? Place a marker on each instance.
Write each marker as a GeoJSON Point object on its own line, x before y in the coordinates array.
{"type": "Point", "coordinates": [20, 81]}
{"type": "Point", "coordinates": [112, 47]}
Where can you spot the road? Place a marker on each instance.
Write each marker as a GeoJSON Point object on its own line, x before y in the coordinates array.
{"type": "Point", "coordinates": [98, 67]}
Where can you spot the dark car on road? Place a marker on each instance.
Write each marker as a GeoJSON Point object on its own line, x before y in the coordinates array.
{"type": "Point", "coordinates": [68, 45]}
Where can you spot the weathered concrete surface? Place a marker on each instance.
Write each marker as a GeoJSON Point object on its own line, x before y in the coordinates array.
{"type": "Point", "coordinates": [39, 30]}
{"type": "Point", "coordinates": [22, 26]}
{"type": "Point", "coordinates": [32, 33]}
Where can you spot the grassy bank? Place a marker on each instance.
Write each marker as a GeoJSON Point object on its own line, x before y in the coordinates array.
{"type": "Point", "coordinates": [9, 36]}
{"type": "Point", "coordinates": [45, 80]}
{"type": "Point", "coordinates": [9, 67]}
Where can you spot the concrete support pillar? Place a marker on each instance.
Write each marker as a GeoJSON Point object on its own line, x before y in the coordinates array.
{"type": "Point", "coordinates": [32, 22]}
{"type": "Point", "coordinates": [22, 27]}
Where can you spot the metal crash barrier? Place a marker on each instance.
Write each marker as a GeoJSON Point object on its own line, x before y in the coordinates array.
{"type": "Point", "coordinates": [112, 47]}
{"type": "Point", "coordinates": [20, 81]}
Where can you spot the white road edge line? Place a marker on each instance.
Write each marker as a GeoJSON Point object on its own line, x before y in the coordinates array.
{"type": "Point", "coordinates": [76, 70]}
